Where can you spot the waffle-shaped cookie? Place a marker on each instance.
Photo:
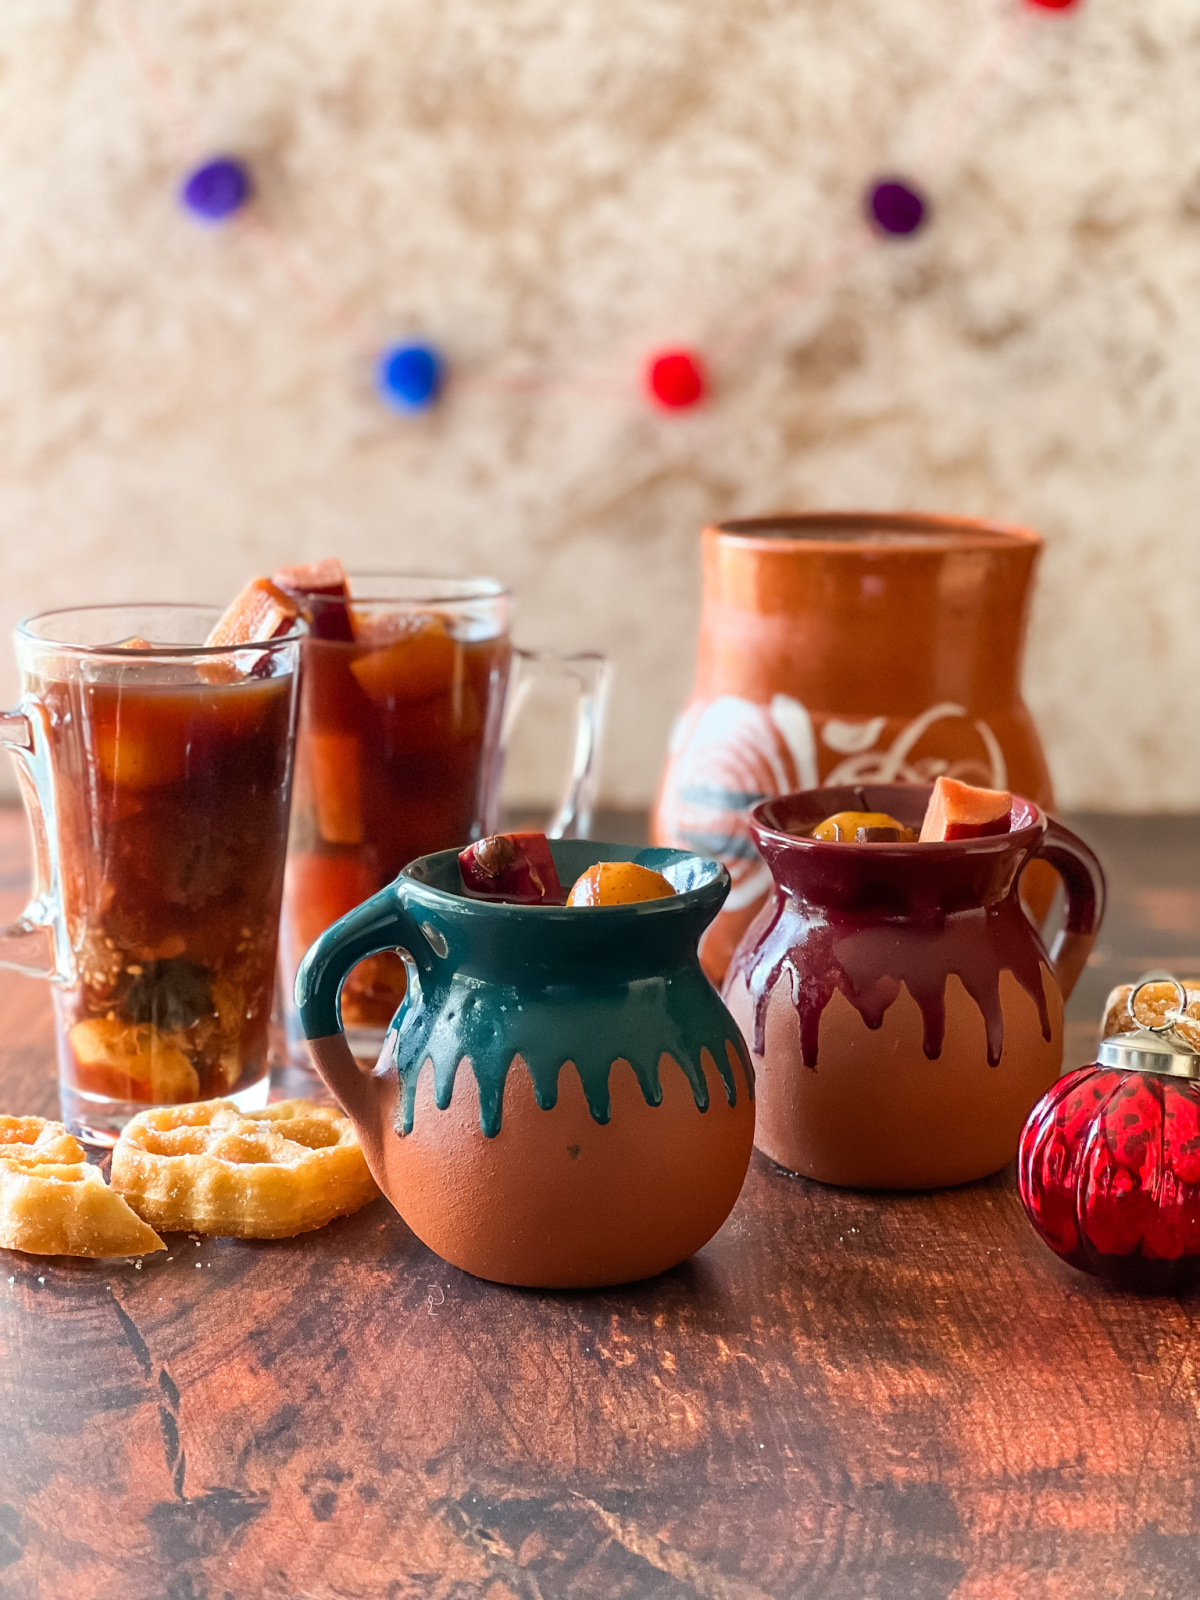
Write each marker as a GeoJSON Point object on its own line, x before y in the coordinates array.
{"type": "Point", "coordinates": [53, 1204]}
{"type": "Point", "coordinates": [210, 1168]}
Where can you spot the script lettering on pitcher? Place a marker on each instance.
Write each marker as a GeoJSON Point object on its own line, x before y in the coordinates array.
{"type": "Point", "coordinates": [728, 755]}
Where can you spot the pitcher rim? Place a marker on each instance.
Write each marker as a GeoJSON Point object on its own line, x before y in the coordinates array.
{"type": "Point", "coordinates": [845, 531]}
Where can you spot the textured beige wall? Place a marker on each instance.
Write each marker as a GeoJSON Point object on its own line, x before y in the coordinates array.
{"type": "Point", "coordinates": [563, 183]}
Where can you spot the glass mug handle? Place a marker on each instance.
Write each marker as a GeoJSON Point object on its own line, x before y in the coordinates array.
{"type": "Point", "coordinates": [590, 673]}
{"type": "Point", "coordinates": [29, 944]}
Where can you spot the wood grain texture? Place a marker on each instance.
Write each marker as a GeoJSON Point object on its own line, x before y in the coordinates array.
{"type": "Point", "coordinates": [843, 1397]}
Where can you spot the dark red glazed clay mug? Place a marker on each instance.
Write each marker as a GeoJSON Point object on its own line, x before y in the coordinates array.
{"type": "Point", "coordinates": [902, 1011]}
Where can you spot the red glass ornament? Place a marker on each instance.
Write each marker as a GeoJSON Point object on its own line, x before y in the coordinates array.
{"type": "Point", "coordinates": [676, 378]}
{"type": "Point", "coordinates": [1109, 1173]}
{"type": "Point", "coordinates": [1053, 5]}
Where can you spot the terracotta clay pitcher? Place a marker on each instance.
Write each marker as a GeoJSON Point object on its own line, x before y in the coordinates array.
{"type": "Point", "coordinates": [562, 1100]}
{"type": "Point", "coordinates": [903, 1013]}
{"type": "Point", "coordinates": [843, 648]}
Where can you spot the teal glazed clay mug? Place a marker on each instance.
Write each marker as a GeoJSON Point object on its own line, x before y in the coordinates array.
{"type": "Point", "coordinates": [562, 1100]}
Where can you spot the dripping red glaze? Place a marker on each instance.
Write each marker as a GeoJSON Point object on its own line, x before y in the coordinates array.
{"type": "Point", "coordinates": [863, 920]}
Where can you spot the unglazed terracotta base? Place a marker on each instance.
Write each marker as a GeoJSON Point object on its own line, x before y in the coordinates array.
{"type": "Point", "coordinates": [876, 1113]}
{"type": "Point", "coordinates": [559, 1200]}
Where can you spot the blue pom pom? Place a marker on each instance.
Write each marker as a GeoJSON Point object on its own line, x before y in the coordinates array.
{"type": "Point", "coordinates": [410, 376]}
{"type": "Point", "coordinates": [216, 189]}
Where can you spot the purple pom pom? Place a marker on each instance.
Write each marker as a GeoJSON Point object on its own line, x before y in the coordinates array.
{"type": "Point", "coordinates": [216, 189]}
{"type": "Point", "coordinates": [896, 207]}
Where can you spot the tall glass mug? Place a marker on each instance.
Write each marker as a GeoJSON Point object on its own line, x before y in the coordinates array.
{"type": "Point", "coordinates": [409, 690]}
{"type": "Point", "coordinates": [157, 777]}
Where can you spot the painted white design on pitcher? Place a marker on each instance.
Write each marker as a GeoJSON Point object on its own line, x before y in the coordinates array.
{"type": "Point", "coordinates": [851, 738]}
{"type": "Point", "coordinates": [728, 755]}
{"type": "Point", "coordinates": [893, 766]}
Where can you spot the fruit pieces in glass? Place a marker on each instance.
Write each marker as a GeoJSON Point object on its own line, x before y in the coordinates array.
{"type": "Point", "coordinates": [172, 839]}
{"type": "Point", "coordinates": [320, 590]}
{"type": "Point", "coordinates": [173, 781]}
{"type": "Point", "coordinates": [261, 611]}
{"type": "Point", "coordinates": [390, 760]}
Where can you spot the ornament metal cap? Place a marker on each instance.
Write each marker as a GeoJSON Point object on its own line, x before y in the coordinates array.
{"type": "Point", "coordinates": [1162, 1049]}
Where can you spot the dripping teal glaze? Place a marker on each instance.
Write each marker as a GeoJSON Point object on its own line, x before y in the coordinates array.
{"type": "Point", "coordinates": [489, 982]}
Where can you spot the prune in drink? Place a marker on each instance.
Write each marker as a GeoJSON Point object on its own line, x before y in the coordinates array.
{"type": "Point", "coordinates": [174, 993]}
{"type": "Point", "coordinates": [516, 867]}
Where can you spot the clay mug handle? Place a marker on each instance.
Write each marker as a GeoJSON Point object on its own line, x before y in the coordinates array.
{"type": "Point", "coordinates": [1083, 879]}
{"type": "Point", "coordinates": [383, 922]}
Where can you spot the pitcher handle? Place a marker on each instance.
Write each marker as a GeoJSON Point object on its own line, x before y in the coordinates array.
{"type": "Point", "coordinates": [31, 943]}
{"type": "Point", "coordinates": [1083, 880]}
{"type": "Point", "coordinates": [590, 673]}
{"type": "Point", "coordinates": [384, 922]}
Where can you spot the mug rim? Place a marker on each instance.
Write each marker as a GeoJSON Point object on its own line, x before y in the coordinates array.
{"type": "Point", "coordinates": [449, 591]}
{"type": "Point", "coordinates": [717, 884]}
{"type": "Point", "coordinates": [157, 652]}
{"type": "Point", "coordinates": [992, 843]}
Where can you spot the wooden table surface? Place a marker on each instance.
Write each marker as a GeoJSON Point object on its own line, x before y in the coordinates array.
{"type": "Point", "coordinates": [844, 1396]}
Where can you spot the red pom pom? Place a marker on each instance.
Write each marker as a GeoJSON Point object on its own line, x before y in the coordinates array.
{"type": "Point", "coordinates": [675, 378]}
{"type": "Point", "coordinates": [1054, 5]}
